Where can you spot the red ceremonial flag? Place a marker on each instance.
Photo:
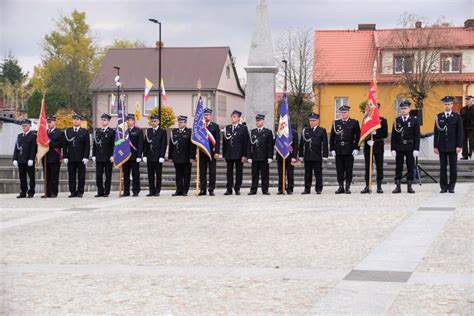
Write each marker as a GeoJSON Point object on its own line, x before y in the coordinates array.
{"type": "Point", "coordinates": [42, 138]}
{"type": "Point", "coordinates": [371, 120]}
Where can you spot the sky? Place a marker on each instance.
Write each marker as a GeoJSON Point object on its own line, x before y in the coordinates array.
{"type": "Point", "coordinates": [189, 23]}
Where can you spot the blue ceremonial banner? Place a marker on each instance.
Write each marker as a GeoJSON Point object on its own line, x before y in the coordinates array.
{"type": "Point", "coordinates": [122, 143]}
{"type": "Point", "coordinates": [284, 135]}
{"type": "Point", "coordinates": [200, 132]}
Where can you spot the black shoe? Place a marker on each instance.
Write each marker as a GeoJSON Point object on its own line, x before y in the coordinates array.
{"type": "Point", "coordinates": [279, 193]}
{"type": "Point", "coordinates": [305, 192]}
{"type": "Point", "coordinates": [126, 194]}
{"type": "Point", "coordinates": [79, 195]}
{"type": "Point", "coordinates": [53, 196]}
{"type": "Point", "coordinates": [202, 193]}
{"type": "Point", "coordinates": [72, 195]}
{"type": "Point", "coordinates": [443, 191]}
{"type": "Point", "coordinates": [318, 192]}
{"type": "Point", "coordinates": [211, 193]}
{"type": "Point", "coordinates": [348, 189]}
{"type": "Point", "coordinates": [98, 195]}
{"type": "Point", "coordinates": [289, 192]}
{"type": "Point", "coordinates": [151, 194]}
{"type": "Point", "coordinates": [228, 193]}
{"type": "Point", "coordinates": [105, 195]}
{"type": "Point", "coordinates": [157, 194]}
{"type": "Point", "coordinates": [44, 196]}
{"type": "Point", "coordinates": [340, 189]}
{"type": "Point", "coordinates": [451, 190]}
{"type": "Point", "coordinates": [266, 193]}
{"type": "Point", "coordinates": [409, 188]}
{"type": "Point", "coordinates": [379, 186]}
{"type": "Point", "coordinates": [21, 196]}
{"type": "Point", "coordinates": [397, 189]}
{"type": "Point", "coordinates": [252, 193]}
{"type": "Point", "coordinates": [176, 194]}
{"type": "Point", "coordinates": [237, 191]}
{"type": "Point", "coordinates": [185, 194]}
{"type": "Point", "coordinates": [134, 194]}
{"type": "Point", "coordinates": [365, 190]}
{"type": "Point", "coordinates": [464, 158]}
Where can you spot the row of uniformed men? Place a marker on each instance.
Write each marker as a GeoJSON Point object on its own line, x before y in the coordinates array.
{"type": "Point", "coordinates": [239, 145]}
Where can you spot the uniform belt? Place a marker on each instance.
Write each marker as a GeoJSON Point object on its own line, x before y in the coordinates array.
{"type": "Point", "coordinates": [343, 143]}
{"type": "Point", "coordinates": [407, 141]}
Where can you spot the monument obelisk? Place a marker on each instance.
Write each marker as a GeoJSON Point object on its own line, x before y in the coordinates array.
{"type": "Point", "coordinates": [261, 69]}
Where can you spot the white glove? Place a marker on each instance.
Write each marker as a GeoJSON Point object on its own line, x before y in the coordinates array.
{"type": "Point", "coordinates": [374, 133]}
{"type": "Point", "coordinates": [333, 153]}
{"type": "Point", "coordinates": [112, 159]}
{"type": "Point", "coordinates": [15, 163]}
{"type": "Point", "coordinates": [325, 158]}
{"type": "Point", "coordinates": [93, 158]}
{"type": "Point", "coordinates": [30, 163]}
{"type": "Point", "coordinates": [249, 160]}
{"type": "Point", "coordinates": [145, 159]}
{"type": "Point", "coordinates": [85, 161]}
{"type": "Point", "coordinates": [416, 153]}
{"type": "Point", "coordinates": [301, 159]}
{"type": "Point", "coordinates": [355, 152]}
{"type": "Point", "coordinates": [394, 153]}
{"type": "Point", "coordinates": [161, 160]}
{"type": "Point", "coordinates": [269, 160]}
{"type": "Point", "coordinates": [65, 160]}
{"type": "Point", "coordinates": [139, 160]}
{"type": "Point", "coordinates": [370, 142]}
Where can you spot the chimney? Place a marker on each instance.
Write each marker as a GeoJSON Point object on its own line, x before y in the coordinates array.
{"type": "Point", "coordinates": [418, 24]}
{"type": "Point", "coordinates": [469, 23]}
{"type": "Point", "coordinates": [158, 44]}
{"type": "Point", "coordinates": [366, 27]}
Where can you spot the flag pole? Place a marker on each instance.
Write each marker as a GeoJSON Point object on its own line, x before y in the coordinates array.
{"type": "Point", "coordinates": [120, 181]}
{"type": "Point", "coordinates": [370, 162]}
{"type": "Point", "coordinates": [198, 178]}
{"type": "Point", "coordinates": [283, 182]}
{"type": "Point", "coordinates": [45, 165]}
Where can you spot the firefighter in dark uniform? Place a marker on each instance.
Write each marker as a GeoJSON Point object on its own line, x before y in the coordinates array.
{"type": "Point", "coordinates": [24, 159]}
{"type": "Point", "coordinates": [448, 137]}
{"type": "Point", "coordinates": [235, 150]}
{"type": "Point", "coordinates": [405, 144]}
{"type": "Point", "coordinates": [289, 168]}
{"type": "Point", "coordinates": [313, 150]}
{"type": "Point", "coordinates": [344, 145]}
{"type": "Point", "coordinates": [204, 161]}
{"type": "Point", "coordinates": [53, 158]}
{"type": "Point", "coordinates": [154, 151]}
{"type": "Point", "coordinates": [260, 155]}
{"type": "Point", "coordinates": [467, 114]}
{"type": "Point", "coordinates": [378, 144]}
{"type": "Point", "coordinates": [132, 165]}
{"type": "Point", "coordinates": [182, 152]}
{"type": "Point", "coordinates": [103, 155]}
{"type": "Point", "coordinates": [76, 155]}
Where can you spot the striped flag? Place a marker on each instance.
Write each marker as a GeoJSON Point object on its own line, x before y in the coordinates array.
{"type": "Point", "coordinates": [42, 138]}
{"type": "Point", "coordinates": [148, 86]}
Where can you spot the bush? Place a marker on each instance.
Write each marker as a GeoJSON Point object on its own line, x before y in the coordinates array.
{"type": "Point", "coordinates": [168, 117]}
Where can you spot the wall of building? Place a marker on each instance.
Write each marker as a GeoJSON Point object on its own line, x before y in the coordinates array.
{"type": "Point", "coordinates": [387, 95]}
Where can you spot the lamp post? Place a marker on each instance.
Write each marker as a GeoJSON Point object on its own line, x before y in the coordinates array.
{"type": "Point", "coordinates": [286, 65]}
{"type": "Point", "coordinates": [159, 64]}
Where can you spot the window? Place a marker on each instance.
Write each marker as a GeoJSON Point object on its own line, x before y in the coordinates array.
{"type": "Point", "coordinates": [402, 64]}
{"type": "Point", "coordinates": [339, 101]}
{"type": "Point", "coordinates": [227, 71]}
{"type": "Point", "coordinates": [221, 105]}
{"type": "Point", "coordinates": [451, 62]}
{"type": "Point", "coordinates": [113, 105]}
{"type": "Point", "coordinates": [151, 103]}
{"type": "Point", "coordinates": [205, 101]}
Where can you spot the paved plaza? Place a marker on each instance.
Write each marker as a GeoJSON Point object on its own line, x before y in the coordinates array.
{"type": "Point", "coordinates": [317, 254]}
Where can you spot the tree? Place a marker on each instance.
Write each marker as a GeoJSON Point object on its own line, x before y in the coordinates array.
{"type": "Point", "coordinates": [419, 53]}
{"type": "Point", "coordinates": [10, 71]}
{"type": "Point", "coordinates": [168, 117]}
{"type": "Point", "coordinates": [53, 102]}
{"type": "Point", "coordinates": [67, 65]}
{"type": "Point", "coordinates": [118, 43]}
{"type": "Point", "coordinates": [296, 47]}
{"type": "Point", "coordinates": [13, 91]}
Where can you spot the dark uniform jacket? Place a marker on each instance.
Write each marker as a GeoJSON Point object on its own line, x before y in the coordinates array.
{"type": "Point", "coordinates": [181, 148]}
{"type": "Point", "coordinates": [405, 135]}
{"type": "Point", "coordinates": [103, 147]}
{"type": "Point", "coordinates": [448, 132]}
{"type": "Point", "coordinates": [25, 147]}
{"type": "Point", "coordinates": [293, 149]}
{"type": "Point", "coordinates": [215, 131]}
{"type": "Point", "coordinates": [235, 144]}
{"type": "Point", "coordinates": [56, 143]}
{"type": "Point", "coordinates": [380, 135]}
{"type": "Point", "coordinates": [155, 144]}
{"type": "Point", "coordinates": [76, 145]}
{"type": "Point", "coordinates": [467, 114]}
{"type": "Point", "coordinates": [345, 136]}
{"type": "Point", "coordinates": [261, 144]}
{"type": "Point", "coordinates": [136, 142]}
{"type": "Point", "coordinates": [313, 144]}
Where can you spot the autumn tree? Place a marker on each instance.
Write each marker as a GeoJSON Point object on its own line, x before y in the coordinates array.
{"type": "Point", "coordinates": [13, 90]}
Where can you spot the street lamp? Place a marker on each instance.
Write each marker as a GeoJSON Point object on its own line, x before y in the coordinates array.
{"type": "Point", "coordinates": [159, 64]}
{"type": "Point", "coordinates": [286, 64]}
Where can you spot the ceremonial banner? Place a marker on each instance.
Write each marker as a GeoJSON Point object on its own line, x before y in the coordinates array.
{"type": "Point", "coordinates": [42, 138]}
{"type": "Point", "coordinates": [122, 143]}
{"type": "Point", "coordinates": [371, 120]}
{"type": "Point", "coordinates": [200, 133]}
{"type": "Point", "coordinates": [284, 135]}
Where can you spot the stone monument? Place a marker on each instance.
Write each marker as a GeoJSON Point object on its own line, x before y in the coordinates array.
{"type": "Point", "coordinates": [261, 70]}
